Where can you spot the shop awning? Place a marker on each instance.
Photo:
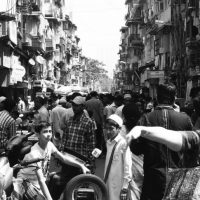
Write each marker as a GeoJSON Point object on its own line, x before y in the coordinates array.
{"type": "Point", "coordinates": [63, 90]}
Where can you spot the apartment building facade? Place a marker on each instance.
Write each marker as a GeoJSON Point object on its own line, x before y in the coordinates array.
{"type": "Point", "coordinates": [39, 45]}
{"type": "Point", "coordinates": [169, 32]}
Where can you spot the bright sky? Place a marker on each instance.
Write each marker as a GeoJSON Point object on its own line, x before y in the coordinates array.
{"type": "Point", "coordinates": [98, 27]}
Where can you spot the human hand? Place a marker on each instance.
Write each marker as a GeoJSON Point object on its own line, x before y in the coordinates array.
{"type": "Point", "coordinates": [124, 194]}
{"type": "Point", "coordinates": [134, 133]}
{"type": "Point", "coordinates": [85, 169]}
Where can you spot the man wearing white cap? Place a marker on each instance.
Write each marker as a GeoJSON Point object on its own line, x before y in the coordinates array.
{"type": "Point", "coordinates": [118, 168]}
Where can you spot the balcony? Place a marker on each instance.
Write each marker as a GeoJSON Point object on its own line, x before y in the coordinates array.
{"type": "Point", "coordinates": [192, 42]}
{"type": "Point", "coordinates": [30, 7]}
{"type": "Point", "coordinates": [49, 44]}
{"type": "Point", "coordinates": [8, 10]}
{"type": "Point", "coordinates": [134, 20]}
{"type": "Point", "coordinates": [52, 12]}
{"type": "Point", "coordinates": [37, 43]}
{"type": "Point", "coordinates": [135, 41]}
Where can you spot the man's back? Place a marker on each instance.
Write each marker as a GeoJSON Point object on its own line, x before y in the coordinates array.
{"type": "Point", "coordinates": [156, 156]}
{"type": "Point", "coordinates": [57, 116]}
{"type": "Point", "coordinates": [96, 106]}
{"type": "Point", "coordinates": [7, 127]}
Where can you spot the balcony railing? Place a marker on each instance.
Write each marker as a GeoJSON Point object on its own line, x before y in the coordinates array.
{"type": "Point", "coordinates": [53, 12]}
{"type": "Point", "coordinates": [134, 40]}
{"type": "Point", "coordinates": [37, 43]}
{"type": "Point", "coordinates": [49, 44]}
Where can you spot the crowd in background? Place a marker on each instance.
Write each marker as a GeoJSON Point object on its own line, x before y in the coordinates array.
{"type": "Point", "coordinates": [83, 122]}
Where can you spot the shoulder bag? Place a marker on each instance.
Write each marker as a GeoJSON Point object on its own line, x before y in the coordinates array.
{"type": "Point", "coordinates": [182, 183]}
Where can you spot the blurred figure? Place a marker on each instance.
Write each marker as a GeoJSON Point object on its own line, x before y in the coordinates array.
{"type": "Point", "coordinates": [127, 99]}
{"type": "Point", "coordinates": [57, 115]}
{"type": "Point", "coordinates": [131, 116]}
{"type": "Point", "coordinates": [111, 109]}
{"type": "Point", "coordinates": [95, 106]}
{"type": "Point", "coordinates": [30, 105]}
{"type": "Point", "coordinates": [41, 106]}
{"type": "Point", "coordinates": [7, 122]}
{"type": "Point", "coordinates": [21, 106]}
{"type": "Point", "coordinates": [195, 98]}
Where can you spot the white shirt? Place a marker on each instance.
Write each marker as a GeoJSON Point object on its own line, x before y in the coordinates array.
{"type": "Point", "coordinates": [121, 168]}
{"type": "Point", "coordinates": [119, 110]}
{"type": "Point", "coordinates": [37, 152]}
{"type": "Point", "coordinates": [109, 110]}
{"type": "Point", "coordinates": [57, 115]}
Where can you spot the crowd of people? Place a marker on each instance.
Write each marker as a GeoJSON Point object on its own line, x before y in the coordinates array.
{"type": "Point", "coordinates": [107, 122]}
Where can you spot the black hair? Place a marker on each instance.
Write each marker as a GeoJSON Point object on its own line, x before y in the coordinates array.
{"type": "Point", "coordinates": [93, 94]}
{"type": "Point", "coordinates": [166, 93]}
{"type": "Point", "coordinates": [40, 100]}
{"type": "Point", "coordinates": [9, 104]}
{"type": "Point", "coordinates": [41, 125]}
{"type": "Point", "coordinates": [131, 114]}
{"type": "Point", "coordinates": [75, 94]}
{"type": "Point", "coordinates": [194, 92]}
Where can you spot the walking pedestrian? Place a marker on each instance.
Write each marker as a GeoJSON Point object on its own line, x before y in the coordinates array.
{"type": "Point", "coordinates": [41, 107]}
{"type": "Point", "coordinates": [79, 134]}
{"type": "Point", "coordinates": [156, 156]}
{"type": "Point", "coordinates": [95, 106]}
{"type": "Point", "coordinates": [57, 115]}
{"type": "Point", "coordinates": [7, 122]}
{"type": "Point", "coordinates": [131, 116]}
{"type": "Point", "coordinates": [118, 164]}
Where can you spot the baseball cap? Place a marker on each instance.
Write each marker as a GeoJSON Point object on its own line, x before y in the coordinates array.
{"type": "Point", "coordinates": [2, 98]}
{"type": "Point", "coordinates": [117, 119]}
{"type": "Point", "coordinates": [79, 100]}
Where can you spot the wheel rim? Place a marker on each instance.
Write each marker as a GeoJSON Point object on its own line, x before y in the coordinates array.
{"type": "Point", "coordinates": [98, 195]}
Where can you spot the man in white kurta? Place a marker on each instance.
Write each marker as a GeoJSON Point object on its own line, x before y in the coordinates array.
{"type": "Point", "coordinates": [120, 174]}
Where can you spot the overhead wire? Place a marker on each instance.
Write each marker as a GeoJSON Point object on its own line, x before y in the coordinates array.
{"type": "Point", "coordinates": [2, 13]}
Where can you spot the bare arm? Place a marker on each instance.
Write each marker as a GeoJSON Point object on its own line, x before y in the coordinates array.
{"type": "Point", "coordinates": [42, 184]}
{"type": "Point", "coordinates": [172, 139]}
{"type": "Point", "coordinates": [71, 161]}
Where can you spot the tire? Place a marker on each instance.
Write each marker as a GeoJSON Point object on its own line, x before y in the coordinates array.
{"type": "Point", "coordinates": [89, 179]}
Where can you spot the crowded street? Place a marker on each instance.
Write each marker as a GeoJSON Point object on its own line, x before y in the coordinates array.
{"type": "Point", "coordinates": [100, 100]}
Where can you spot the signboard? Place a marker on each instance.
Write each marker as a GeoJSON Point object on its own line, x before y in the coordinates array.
{"type": "Point", "coordinates": [155, 74]}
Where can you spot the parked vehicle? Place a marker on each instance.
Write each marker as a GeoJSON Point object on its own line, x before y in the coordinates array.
{"type": "Point", "coordinates": [80, 187]}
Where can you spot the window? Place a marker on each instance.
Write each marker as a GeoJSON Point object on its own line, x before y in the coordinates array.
{"type": "Point", "coordinates": [156, 46]}
{"type": "Point", "coordinates": [161, 6]}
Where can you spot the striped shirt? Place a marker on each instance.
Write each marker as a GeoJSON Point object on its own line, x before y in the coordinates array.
{"type": "Point", "coordinates": [7, 128]}
{"type": "Point", "coordinates": [80, 135]}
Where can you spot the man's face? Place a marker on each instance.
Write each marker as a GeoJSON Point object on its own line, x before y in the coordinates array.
{"type": "Point", "coordinates": [111, 130]}
{"type": "Point", "coordinates": [77, 108]}
{"type": "Point", "coordinates": [127, 101]}
{"type": "Point", "coordinates": [45, 134]}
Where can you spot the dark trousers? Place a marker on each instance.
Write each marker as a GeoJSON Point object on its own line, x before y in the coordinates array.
{"type": "Point", "coordinates": [59, 180]}
{"type": "Point", "coordinates": [100, 141]}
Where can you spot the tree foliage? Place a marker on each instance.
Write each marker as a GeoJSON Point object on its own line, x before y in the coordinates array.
{"type": "Point", "coordinates": [95, 69]}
